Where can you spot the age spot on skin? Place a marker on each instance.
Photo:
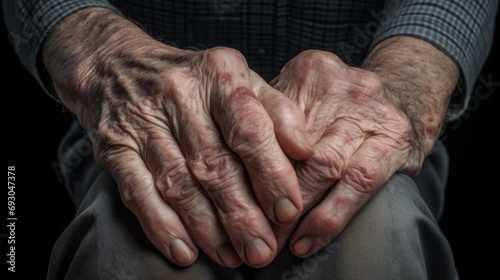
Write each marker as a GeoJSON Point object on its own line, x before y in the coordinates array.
{"type": "Point", "coordinates": [225, 78]}
{"type": "Point", "coordinates": [240, 94]}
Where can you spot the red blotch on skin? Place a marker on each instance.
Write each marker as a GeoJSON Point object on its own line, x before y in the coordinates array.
{"type": "Point", "coordinates": [431, 129]}
{"type": "Point", "coordinates": [432, 126]}
{"type": "Point", "coordinates": [241, 101]}
{"type": "Point", "coordinates": [225, 78]}
{"type": "Point", "coordinates": [240, 94]}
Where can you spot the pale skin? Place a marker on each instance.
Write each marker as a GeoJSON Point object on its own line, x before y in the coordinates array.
{"type": "Point", "coordinates": [365, 125]}
{"type": "Point", "coordinates": [209, 156]}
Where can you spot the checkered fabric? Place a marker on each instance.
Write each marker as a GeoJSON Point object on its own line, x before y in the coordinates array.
{"type": "Point", "coordinates": [270, 33]}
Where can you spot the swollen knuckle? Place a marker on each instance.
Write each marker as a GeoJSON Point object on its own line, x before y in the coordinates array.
{"type": "Point", "coordinates": [308, 61]}
{"type": "Point", "coordinates": [316, 57]}
{"type": "Point", "coordinates": [305, 66]}
{"type": "Point", "coordinates": [369, 82]}
{"type": "Point", "coordinates": [222, 56]}
{"type": "Point", "coordinates": [215, 170]}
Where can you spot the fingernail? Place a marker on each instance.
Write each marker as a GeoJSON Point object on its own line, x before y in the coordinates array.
{"type": "Point", "coordinates": [257, 252]}
{"type": "Point", "coordinates": [284, 210]}
{"type": "Point", "coordinates": [181, 252]}
{"type": "Point", "coordinates": [303, 245]}
{"type": "Point", "coordinates": [303, 140]}
{"type": "Point", "coordinates": [228, 255]}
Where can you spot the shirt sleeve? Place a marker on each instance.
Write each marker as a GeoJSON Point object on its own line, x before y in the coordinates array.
{"type": "Point", "coordinates": [29, 23]}
{"type": "Point", "coordinates": [462, 29]}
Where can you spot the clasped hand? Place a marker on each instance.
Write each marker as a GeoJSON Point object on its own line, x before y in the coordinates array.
{"type": "Point", "coordinates": [208, 155]}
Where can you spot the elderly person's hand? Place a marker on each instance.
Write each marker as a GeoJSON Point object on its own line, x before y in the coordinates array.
{"type": "Point", "coordinates": [186, 135]}
{"type": "Point", "coordinates": [365, 125]}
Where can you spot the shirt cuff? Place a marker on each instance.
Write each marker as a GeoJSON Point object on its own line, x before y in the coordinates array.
{"type": "Point", "coordinates": [30, 23]}
{"type": "Point", "coordinates": [463, 30]}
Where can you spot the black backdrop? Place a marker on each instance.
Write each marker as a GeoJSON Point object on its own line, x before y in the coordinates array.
{"type": "Point", "coordinates": [33, 125]}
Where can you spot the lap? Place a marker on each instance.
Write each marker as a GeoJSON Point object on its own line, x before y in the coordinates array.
{"type": "Point", "coordinates": [395, 236]}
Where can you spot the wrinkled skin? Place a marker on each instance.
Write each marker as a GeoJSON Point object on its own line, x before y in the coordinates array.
{"type": "Point", "coordinates": [187, 135]}
{"type": "Point", "coordinates": [206, 154]}
{"type": "Point", "coordinates": [190, 141]}
{"type": "Point", "coordinates": [360, 138]}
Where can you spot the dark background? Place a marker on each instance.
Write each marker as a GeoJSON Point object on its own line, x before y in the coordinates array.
{"type": "Point", "coordinates": [33, 124]}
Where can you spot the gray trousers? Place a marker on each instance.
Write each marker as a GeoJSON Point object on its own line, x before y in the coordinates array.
{"type": "Point", "coordinates": [395, 236]}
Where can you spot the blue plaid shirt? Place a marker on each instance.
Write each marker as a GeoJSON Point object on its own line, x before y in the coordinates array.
{"type": "Point", "coordinates": [270, 33]}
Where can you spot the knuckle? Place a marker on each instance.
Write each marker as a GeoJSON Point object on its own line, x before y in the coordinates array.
{"type": "Point", "coordinates": [305, 62]}
{"type": "Point", "coordinates": [369, 83]}
{"type": "Point", "coordinates": [177, 84]}
{"type": "Point", "coordinates": [189, 202]}
{"type": "Point", "coordinates": [172, 76]}
{"type": "Point", "coordinates": [178, 185]}
{"type": "Point", "coordinates": [220, 177]}
{"type": "Point", "coordinates": [329, 222]}
{"type": "Point", "coordinates": [305, 66]}
{"type": "Point", "coordinates": [316, 57]}
{"type": "Point", "coordinates": [363, 177]}
{"type": "Point", "coordinates": [323, 169]}
{"type": "Point", "coordinates": [134, 194]}
{"type": "Point", "coordinates": [241, 219]}
{"type": "Point", "coordinates": [222, 56]}
{"type": "Point", "coordinates": [160, 227]}
{"type": "Point", "coordinates": [214, 171]}
{"type": "Point", "coordinates": [251, 135]}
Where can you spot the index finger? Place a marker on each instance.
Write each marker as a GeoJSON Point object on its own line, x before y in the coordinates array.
{"type": "Point", "coordinates": [248, 131]}
{"type": "Point", "coordinates": [363, 177]}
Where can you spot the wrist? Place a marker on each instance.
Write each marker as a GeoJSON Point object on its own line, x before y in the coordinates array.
{"type": "Point", "coordinates": [86, 47]}
{"type": "Point", "coordinates": [76, 45]}
{"type": "Point", "coordinates": [421, 80]}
